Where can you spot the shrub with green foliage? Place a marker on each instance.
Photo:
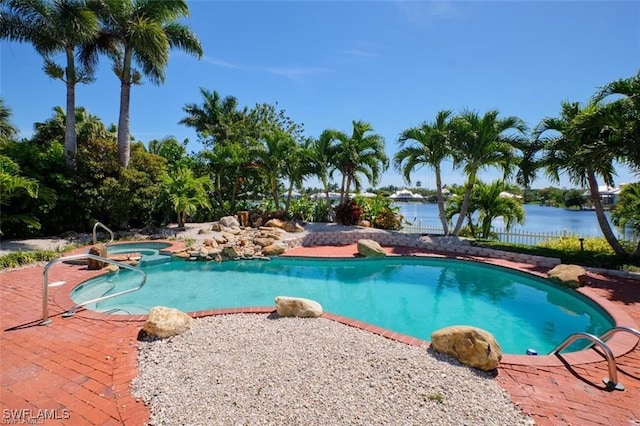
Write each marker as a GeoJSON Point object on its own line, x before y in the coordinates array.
{"type": "Point", "coordinates": [321, 211]}
{"type": "Point", "coordinates": [572, 243]}
{"type": "Point", "coordinates": [21, 258]}
{"type": "Point", "coordinates": [301, 209]}
{"type": "Point", "coordinates": [380, 212]}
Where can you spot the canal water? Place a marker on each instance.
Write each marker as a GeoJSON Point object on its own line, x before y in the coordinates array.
{"type": "Point", "coordinates": [538, 219]}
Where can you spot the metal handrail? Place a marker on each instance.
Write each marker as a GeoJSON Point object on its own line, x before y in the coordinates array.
{"type": "Point", "coordinates": [45, 283]}
{"type": "Point", "coordinates": [612, 380]}
{"type": "Point", "coordinates": [95, 240]}
{"type": "Point", "coordinates": [606, 336]}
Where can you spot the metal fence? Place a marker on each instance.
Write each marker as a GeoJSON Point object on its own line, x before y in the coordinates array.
{"type": "Point", "coordinates": [512, 236]}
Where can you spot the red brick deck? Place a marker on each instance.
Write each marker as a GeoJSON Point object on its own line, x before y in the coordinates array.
{"type": "Point", "coordinates": [79, 370]}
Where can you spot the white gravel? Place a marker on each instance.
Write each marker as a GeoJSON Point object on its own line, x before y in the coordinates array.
{"type": "Point", "coordinates": [255, 369]}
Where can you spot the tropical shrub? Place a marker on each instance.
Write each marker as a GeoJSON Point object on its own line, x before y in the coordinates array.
{"type": "Point", "coordinates": [387, 219]}
{"type": "Point", "coordinates": [380, 212]}
{"type": "Point", "coordinates": [302, 209]}
{"type": "Point", "coordinates": [572, 244]}
{"type": "Point", "coordinates": [348, 213]}
{"type": "Point", "coordinates": [321, 211]}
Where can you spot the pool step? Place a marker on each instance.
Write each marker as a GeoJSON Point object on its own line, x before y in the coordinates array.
{"type": "Point", "coordinates": [154, 259]}
{"type": "Point", "coordinates": [95, 290]}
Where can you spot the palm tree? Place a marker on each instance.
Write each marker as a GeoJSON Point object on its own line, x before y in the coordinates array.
{"type": "Point", "coordinates": [621, 118]}
{"type": "Point", "coordinates": [492, 204]}
{"type": "Point", "coordinates": [573, 143]}
{"type": "Point", "coordinates": [321, 154]}
{"type": "Point", "coordinates": [88, 127]}
{"type": "Point", "coordinates": [271, 158]}
{"type": "Point", "coordinates": [483, 141]}
{"type": "Point", "coordinates": [489, 202]}
{"type": "Point", "coordinates": [7, 130]}
{"type": "Point", "coordinates": [61, 26]}
{"type": "Point", "coordinates": [430, 148]}
{"type": "Point", "coordinates": [360, 154]}
{"type": "Point", "coordinates": [218, 120]}
{"type": "Point", "coordinates": [627, 211]}
{"type": "Point", "coordinates": [144, 32]}
{"type": "Point", "coordinates": [186, 193]}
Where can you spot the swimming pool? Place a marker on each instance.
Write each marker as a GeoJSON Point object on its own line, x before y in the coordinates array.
{"type": "Point", "coordinates": [413, 296]}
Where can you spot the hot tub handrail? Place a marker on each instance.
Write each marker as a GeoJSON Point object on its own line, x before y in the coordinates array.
{"type": "Point", "coordinates": [102, 225]}
{"type": "Point", "coordinates": [45, 283]}
{"type": "Point", "coordinates": [611, 381]}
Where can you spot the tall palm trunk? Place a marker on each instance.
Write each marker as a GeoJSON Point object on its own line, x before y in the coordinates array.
{"type": "Point", "coordinates": [274, 193]}
{"type": "Point", "coordinates": [288, 202]}
{"type": "Point", "coordinates": [124, 140]}
{"type": "Point", "coordinates": [325, 184]}
{"type": "Point", "coordinates": [342, 185]}
{"type": "Point", "coordinates": [70, 137]}
{"type": "Point", "coordinates": [465, 203]}
{"type": "Point", "coordinates": [441, 213]}
{"type": "Point", "coordinates": [602, 219]}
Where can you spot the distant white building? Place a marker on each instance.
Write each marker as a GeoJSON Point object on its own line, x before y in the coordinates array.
{"type": "Point", "coordinates": [404, 196]}
{"type": "Point", "coordinates": [608, 194]}
{"type": "Point", "coordinates": [506, 194]}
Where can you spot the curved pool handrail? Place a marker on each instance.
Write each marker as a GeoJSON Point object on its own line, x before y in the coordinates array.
{"type": "Point", "coordinates": [45, 283]}
{"type": "Point", "coordinates": [612, 381]}
{"type": "Point", "coordinates": [102, 225]}
{"type": "Point", "coordinates": [607, 335]}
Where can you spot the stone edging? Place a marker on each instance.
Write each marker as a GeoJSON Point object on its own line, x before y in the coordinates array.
{"type": "Point", "coordinates": [449, 244]}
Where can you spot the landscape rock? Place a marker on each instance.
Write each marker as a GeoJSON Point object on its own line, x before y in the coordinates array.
{"type": "Point", "coordinates": [166, 322]}
{"type": "Point", "coordinates": [273, 250]}
{"type": "Point", "coordinates": [370, 248]}
{"type": "Point", "coordinates": [297, 307]}
{"type": "Point", "coordinates": [292, 227]}
{"type": "Point", "coordinates": [571, 276]}
{"type": "Point", "coordinates": [229, 221]}
{"type": "Point", "coordinates": [97, 250]}
{"type": "Point", "coordinates": [244, 218]}
{"type": "Point", "coordinates": [274, 223]}
{"type": "Point", "coordinates": [228, 236]}
{"type": "Point", "coordinates": [264, 241]}
{"type": "Point", "coordinates": [230, 252]}
{"type": "Point", "coordinates": [181, 255]}
{"type": "Point", "coordinates": [216, 227]}
{"type": "Point", "coordinates": [471, 346]}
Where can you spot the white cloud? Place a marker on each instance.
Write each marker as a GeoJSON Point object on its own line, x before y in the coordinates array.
{"type": "Point", "coordinates": [220, 62]}
{"type": "Point", "coordinates": [361, 53]}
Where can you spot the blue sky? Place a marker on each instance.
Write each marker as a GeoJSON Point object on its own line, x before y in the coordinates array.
{"type": "Point", "coordinates": [391, 63]}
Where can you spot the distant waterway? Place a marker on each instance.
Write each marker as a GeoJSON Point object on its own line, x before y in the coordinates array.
{"type": "Point", "coordinates": [538, 219]}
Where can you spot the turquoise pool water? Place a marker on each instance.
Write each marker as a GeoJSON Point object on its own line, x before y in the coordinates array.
{"type": "Point", "coordinates": [413, 296]}
{"type": "Point", "coordinates": [145, 248]}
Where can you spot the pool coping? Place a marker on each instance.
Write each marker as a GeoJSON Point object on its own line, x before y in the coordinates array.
{"type": "Point", "coordinates": [620, 343]}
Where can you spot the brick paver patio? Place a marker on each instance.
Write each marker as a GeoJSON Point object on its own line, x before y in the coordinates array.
{"type": "Point", "coordinates": [78, 370]}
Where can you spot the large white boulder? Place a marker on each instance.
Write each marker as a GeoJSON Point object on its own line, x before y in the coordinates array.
{"type": "Point", "coordinates": [229, 221]}
{"type": "Point", "coordinates": [370, 248]}
{"type": "Point", "coordinates": [571, 276]}
{"type": "Point", "coordinates": [166, 322]}
{"type": "Point", "coordinates": [297, 307]}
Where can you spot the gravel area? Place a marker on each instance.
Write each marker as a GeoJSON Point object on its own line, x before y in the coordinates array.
{"type": "Point", "coordinates": [253, 369]}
